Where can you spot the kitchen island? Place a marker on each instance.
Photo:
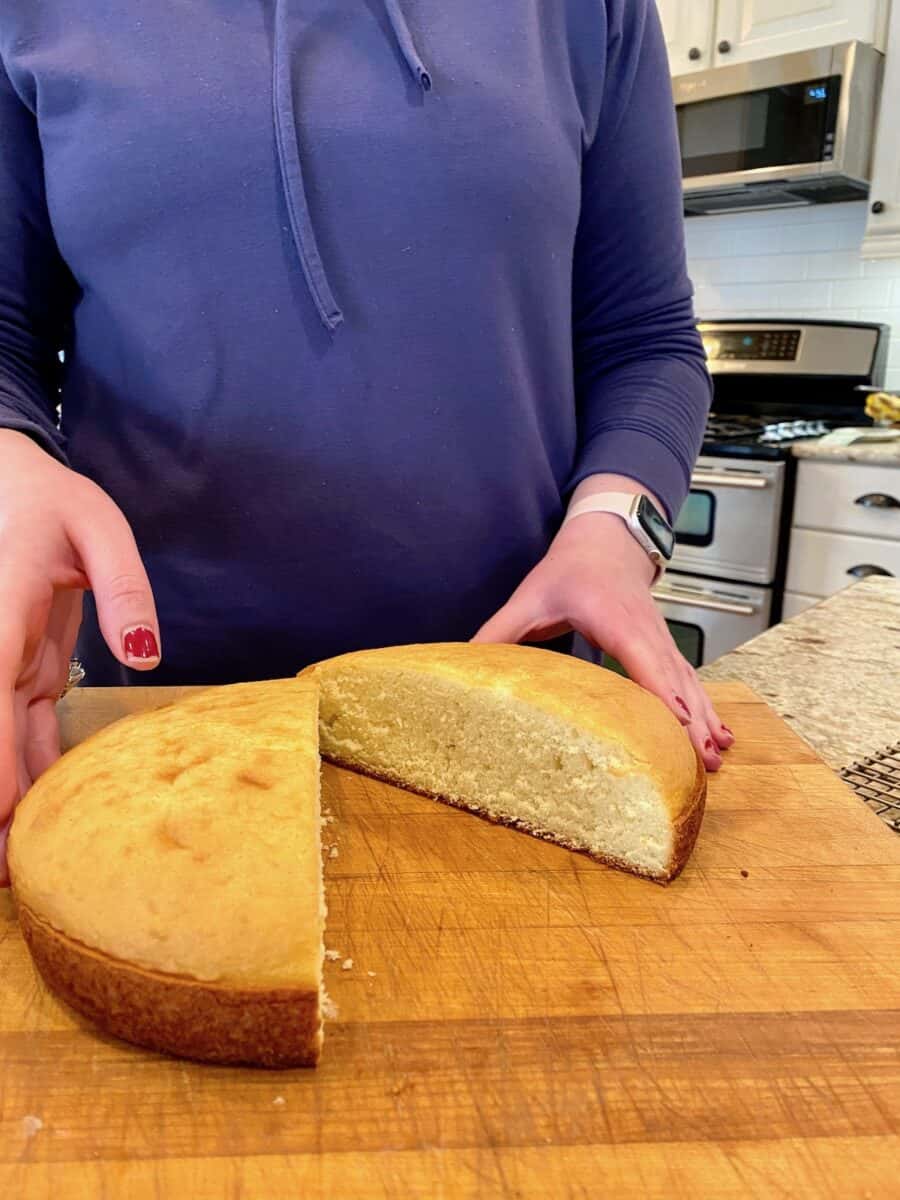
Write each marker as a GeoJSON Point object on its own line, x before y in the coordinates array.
{"type": "Point", "coordinates": [832, 673]}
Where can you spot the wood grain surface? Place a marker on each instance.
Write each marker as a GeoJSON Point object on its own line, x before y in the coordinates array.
{"type": "Point", "coordinates": [519, 1021]}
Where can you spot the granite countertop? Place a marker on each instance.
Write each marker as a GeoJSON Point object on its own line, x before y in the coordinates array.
{"type": "Point", "coordinates": [875, 453]}
{"type": "Point", "coordinates": [833, 672]}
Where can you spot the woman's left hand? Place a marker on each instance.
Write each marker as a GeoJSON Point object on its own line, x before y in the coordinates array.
{"type": "Point", "coordinates": [595, 579]}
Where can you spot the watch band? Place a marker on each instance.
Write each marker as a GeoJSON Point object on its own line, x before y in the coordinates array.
{"type": "Point", "coordinates": [624, 505]}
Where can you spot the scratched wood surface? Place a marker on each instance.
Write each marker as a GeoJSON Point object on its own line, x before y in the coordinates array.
{"type": "Point", "coordinates": [520, 1022]}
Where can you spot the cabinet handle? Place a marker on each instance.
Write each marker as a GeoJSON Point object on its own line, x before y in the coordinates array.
{"type": "Point", "coordinates": [864, 570]}
{"type": "Point", "coordinates": [877, 207]}
{"type": "Point", "coordinates": [877, 500]}
{"type": "Point", "coordinates": [724, 46]}
{"type": "Point", "coordinates": [694, 53]}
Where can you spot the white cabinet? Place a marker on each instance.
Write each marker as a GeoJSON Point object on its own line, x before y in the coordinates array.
{"type": "Point", "coordinates": [689, 26]}
{"type": "Point", "coordinates": [882, 238]}
{"type": "Point", "coordinates": [846, 526]}
{"type": "Point", "coordinates": [750, 29]}
{"type": "Point", "coordinates": [707, 33]}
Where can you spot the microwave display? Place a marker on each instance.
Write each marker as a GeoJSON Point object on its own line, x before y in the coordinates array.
{"type": "Point", "coordinates": [772, 127]}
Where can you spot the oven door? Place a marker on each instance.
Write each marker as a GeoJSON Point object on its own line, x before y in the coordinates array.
{"type": "Point", "coordinates": [730, 522]}
{"type": "Point", "coordinates": [708, 619]}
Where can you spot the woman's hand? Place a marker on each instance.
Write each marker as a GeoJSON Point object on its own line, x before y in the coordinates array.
{"type": "Point", "coordinates": [59, 534]}
{"type": "Point", "coordinates": [596, 579]}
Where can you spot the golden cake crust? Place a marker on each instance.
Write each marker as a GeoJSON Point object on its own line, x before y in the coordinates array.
{"type": "Point", "coordinates": [269, 1027]}
{"type": "Point", "coordinates": [186, 840]}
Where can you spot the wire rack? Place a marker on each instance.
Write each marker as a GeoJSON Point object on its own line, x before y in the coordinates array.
{"type": "Point", "coordinates": [877, 781]}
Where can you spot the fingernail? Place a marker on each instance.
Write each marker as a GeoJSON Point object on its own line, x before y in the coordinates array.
{"type": "Point", "coordinates": [140, 644]}
{"type": "Point", "coordinates": [728, 731]}
{"type": "Point", "coordinates": [708, 745]}
{"type": "Point", "coordinates": [681, 704]}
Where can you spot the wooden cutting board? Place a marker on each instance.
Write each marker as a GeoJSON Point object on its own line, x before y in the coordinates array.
{"type": "Point", "coordinates": [520, 1022]}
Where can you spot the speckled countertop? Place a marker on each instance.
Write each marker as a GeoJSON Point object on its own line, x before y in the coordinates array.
{"type": "Point", "coordinates": [875, 453]}
{"type": "Point", "coordinates": [833, 672]}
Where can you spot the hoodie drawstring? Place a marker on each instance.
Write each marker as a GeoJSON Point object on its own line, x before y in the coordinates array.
{"type": "Point", "coordinates": [407, 45]}
{"type": "Point", "coordinates": [289, 151]}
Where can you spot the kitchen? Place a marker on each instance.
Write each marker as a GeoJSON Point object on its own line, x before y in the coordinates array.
{"type": "Point", "coordinates": [512, 1019]}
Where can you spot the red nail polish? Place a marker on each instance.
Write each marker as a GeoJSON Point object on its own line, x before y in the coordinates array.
{"type": "Point", "coordinates": [140, 644]}
{"type": "Point", "coordinates": [681, 704]}
{"type": "Point", "coordinates": [708, 745]}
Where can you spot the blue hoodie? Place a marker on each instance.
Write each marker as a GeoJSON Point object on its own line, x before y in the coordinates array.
{"type": "Point", "coordinates": [351, 296]}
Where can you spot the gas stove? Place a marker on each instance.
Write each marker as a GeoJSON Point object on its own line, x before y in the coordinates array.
{"type": "Point", "coordinates": [750, 430]}
{"type": "Point", "coordinates": [779, 382]}
{"type": "Point", "coordinates": [775, 383]}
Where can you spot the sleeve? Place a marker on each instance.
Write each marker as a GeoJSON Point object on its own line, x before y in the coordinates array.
{"type": "Point", "coordinates": [642, 387]}
{"type": "Point", "coordinates": [36, 288]}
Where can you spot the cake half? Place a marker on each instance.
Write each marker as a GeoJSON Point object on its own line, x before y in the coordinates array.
{"type": "Point", "coordinates": [524, 736]}
{"type": "Point", "coordinates": [168, 876]}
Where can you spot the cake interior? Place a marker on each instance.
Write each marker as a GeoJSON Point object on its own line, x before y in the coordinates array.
{"type": "Point", "coordinates": [488, 751]}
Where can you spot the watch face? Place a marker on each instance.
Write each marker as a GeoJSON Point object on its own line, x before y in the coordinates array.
{"type": "Point", "coordinates": [656, 527]}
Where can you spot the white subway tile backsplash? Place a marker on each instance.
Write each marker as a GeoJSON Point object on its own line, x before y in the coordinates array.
{"type": "Point", "coordinates": [802, 297]}
{"type": "Point", "coordinates": [843, 264]}
{"type": "Point", "coordinates": [794, 262]}
{"type": "Point", "coordinates": [864, 293]}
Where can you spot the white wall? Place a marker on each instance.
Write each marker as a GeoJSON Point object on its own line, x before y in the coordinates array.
{"type": "Point", "coordinates": [794, 262]}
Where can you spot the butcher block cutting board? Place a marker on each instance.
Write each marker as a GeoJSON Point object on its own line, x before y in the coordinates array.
{"type": "Point", "coordinates": [519, 1021]}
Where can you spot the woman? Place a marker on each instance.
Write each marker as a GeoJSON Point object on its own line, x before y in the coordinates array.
{"type": "Point", "coordinates": [354, 299]}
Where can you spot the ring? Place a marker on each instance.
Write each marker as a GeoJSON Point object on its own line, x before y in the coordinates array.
{"type": "Point", "coordinates": [76, 674]}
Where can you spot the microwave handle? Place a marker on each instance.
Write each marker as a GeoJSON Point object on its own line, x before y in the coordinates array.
{"type": "Point", "coordinates": [723, 479]}
{"type": "Point", "coordinates": [723, 606]}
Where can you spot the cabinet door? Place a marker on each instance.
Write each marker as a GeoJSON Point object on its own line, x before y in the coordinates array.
{"type": "Point", "coordinates": [750, 29]}
{"type": "Point", "coordinates": [883, 230]}
{"type": "Point", "coordinates": [688, 26]}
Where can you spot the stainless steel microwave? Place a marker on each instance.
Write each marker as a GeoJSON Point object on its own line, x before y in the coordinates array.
{"type": "Point", "coordinates": [781, 132]}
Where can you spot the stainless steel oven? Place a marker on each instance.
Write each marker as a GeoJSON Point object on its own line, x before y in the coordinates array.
{"type": "Point", "coordinates": [729, 525]}
{"type": "Point", "coordinates": [707, 618]}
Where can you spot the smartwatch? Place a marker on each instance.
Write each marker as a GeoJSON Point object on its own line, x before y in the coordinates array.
{"type": "Point", "coordinates": [642, 518]}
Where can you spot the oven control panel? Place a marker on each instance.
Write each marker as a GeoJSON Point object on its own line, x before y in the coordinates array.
{"type": "Point", "coordinates": [824, 349]}
{"type": "Point", "coordinates": [762, 345]}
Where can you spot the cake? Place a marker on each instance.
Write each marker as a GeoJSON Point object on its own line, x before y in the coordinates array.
{"type": "Point", "coordinates": [527, 737]}
{"type": "Point", "coordinates": [168, 871]}
{"type": "Point", "coordinates": [168, 876]}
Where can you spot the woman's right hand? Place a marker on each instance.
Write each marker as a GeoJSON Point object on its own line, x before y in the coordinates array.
{"type": "Point", "coordinates": [60, 534]}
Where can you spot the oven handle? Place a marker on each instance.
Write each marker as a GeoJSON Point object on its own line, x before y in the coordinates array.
{"type": "Point", "coordinates": [723, 479]}
{"type": "Point", "coordinates": [723, 606]}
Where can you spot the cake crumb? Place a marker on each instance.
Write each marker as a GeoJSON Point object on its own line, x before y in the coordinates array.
{"type": "Point", "coordinates": [279, 1101]}
{"type": "Point", "coordinates": [31, 1125]}
{"type": "Point", "coordinates": [371, 974]}
{"type": "Point", "coordinates": [332, 955]}
{"type": "Point", "coordinates": [333, 852]}
{"type": "Point", "coordinates": [327, 819]}
{"type": "Point", "coordinates": [745, 874]}
{"type": "Point", "coordinates": [347, 964]}
{"type": "Point", "coordinates": [404, 1084]}
{"type": "Point", "coordinates": [329, 1008]}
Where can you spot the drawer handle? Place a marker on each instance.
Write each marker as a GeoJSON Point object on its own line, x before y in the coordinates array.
{"type": "Point", "coordinates": [722, 606]}
{"type": "Point", "coordinates": [877, 500]}
{"type": "Point", "coordinates": [864, 570]}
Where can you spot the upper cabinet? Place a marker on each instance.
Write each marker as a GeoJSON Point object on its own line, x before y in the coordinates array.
{"type": "Point", "coordinates": [689, 26]}
{"type": "Point", "coordinates": [713, 33]}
